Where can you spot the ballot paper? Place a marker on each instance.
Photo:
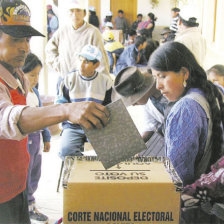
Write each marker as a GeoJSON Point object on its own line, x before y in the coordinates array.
{"type": "Point", "coordinates": [119, 139]}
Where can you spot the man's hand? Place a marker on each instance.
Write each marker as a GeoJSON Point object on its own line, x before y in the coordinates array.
{"type": "Point", "coordinates": [47, 146]}
{"type": "Point", "coordinates": [88, 114]}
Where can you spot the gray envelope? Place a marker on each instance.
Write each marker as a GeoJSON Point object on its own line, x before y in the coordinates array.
{"type": "Point", "coordinates": [119, 140]}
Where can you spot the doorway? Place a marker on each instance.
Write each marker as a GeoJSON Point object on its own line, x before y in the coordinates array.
{"type": "Point", "coordinates": [128, 6]}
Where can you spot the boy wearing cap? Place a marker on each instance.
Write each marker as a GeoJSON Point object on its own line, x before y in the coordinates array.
{"type": "Point", "coordinates": [62, 48]}
{"type": "Point", "coordinates": [17, 119]}
{"type": "Point", "coordinates": [113, 48]}
{"type": "Point", "coordinates": [85, 84]}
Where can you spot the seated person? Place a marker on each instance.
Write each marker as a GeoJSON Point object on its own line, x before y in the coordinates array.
{"type": "Point", "coordinates": [109, 26]}
{"type": "Point", "coordinates": [147, 51]}
{"type": "Point", "coordinates": [153, 104]}
{"type": "Point", "coordinates": [167, 35]}
{"type": "Point", "coordinates": [85, 84]}
{"type": "Point", "coordinates": [131, 37]}
{"type": "Point", "coordinates": [112, 47]}
{"type": "Point", "coordinates": [216, 75]}
{"type": "Point", "coordinates": [131, 55]}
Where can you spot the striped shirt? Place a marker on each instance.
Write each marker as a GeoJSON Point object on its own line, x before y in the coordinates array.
{"type": "Point", "coordinates": [174, 25]}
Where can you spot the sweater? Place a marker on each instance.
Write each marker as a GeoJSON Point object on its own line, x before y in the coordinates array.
{"type": "Point", "coordinates": [62, 50]}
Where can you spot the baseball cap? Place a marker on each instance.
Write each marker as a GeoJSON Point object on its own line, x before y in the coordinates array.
{"type": "Point", "coordinates": [109, 13]}
{"type": "Point", "coordinates": [109, 24]}
{"type": "Point", "coordinates": [92, 9]}
{"type": "Point", "coordinates": [15, 19]}
{"type": "Point", "coordinates": [76, 4]}
{"type": "Point", "coordinates": [91, 53]}
{"type": "Point", "coordinates": [108, 35]}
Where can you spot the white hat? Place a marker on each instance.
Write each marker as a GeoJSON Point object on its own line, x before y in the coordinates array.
{"type": "Point", "coordinates": [91, 52]}
{"type": "Point", "coordinates": [187, 13]}
{"type": "Point", "coordinates": [109, 24]}
{"type": "Point", "coordinates": [109, 13]}
{"type": "Point", "coordinates": [75, 4]}
{"type": "Point", "coordinates": [92, 9]}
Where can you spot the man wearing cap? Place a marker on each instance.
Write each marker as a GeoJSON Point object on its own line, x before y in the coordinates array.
{"type": "Point", "coordinates": [138, 87]}
{"type": "Point", "coordinates": [190, 35]}
{"type": "Point", "coordinates": [17, 119]}
{"type": "Point", "coordinates": [63, 48]}
{"type": "Point", "coordinates": [167, 35]}
{"type": "Point", "coordinates": [84, 84]}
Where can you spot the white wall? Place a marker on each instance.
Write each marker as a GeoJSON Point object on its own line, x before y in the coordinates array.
{"type": "Point", "coordinates": [162, 11]}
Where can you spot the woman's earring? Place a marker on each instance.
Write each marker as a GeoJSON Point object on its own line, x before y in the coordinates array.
{"type": "Point", "coordinates": [184, 83]}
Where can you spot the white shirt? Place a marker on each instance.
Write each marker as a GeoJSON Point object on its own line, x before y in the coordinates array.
{"type": "Point", "coordinates": [32, 99]}
{"type": "Point", "coordinates": [151, 117]}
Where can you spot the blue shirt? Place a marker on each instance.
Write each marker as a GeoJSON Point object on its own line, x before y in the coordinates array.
{"type": "Point", "coordinates": [127, 58]}
{"type": "Point", "coordinates": [185, 136]}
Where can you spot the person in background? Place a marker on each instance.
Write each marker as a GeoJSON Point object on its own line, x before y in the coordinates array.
{"type": "Point", "coordinates": [174, 22]}
{"type": "Point", "coordinates": [131, 38]}
{"type": "Point", "coordinates": [143, 33]}
{"type": "Point", "coordinates": [84, 84]}
{"type": "Point", "coordinates": [109, 26]}
{"type": "Point", "coordinates": [31, 69]}
{"type": "Point", "coordinates": [216, 75]}
{"type": "Point", "coordinates": [62, 48]}
{"type": "Point", "coordinates": [167, 35]}
{"type": "Point", "coordinates": [131, 55]}
{"type": "Point", "coordinates": [53, 23]}
{"type": "Point", "coordinates": [190, 35]}
{"type": "Point", "coordinates": [93, 18]}
{"type": "Point", "coordinates": [193, 133]}
{"type": "Point", "coordinates": [108, 18]}
{"type": "Point", "coordinates": [121, 24]}
{"type": "Point", "coordinates": [149, 25]}
{"type": "Point", "coordinates": [151, 46]}
{"type": "Point", "coordinates": [134, 25]}
{"type": "Point", "coordinates": [113, 48]}
{"type": "Point", "coordinates": [17, 119]}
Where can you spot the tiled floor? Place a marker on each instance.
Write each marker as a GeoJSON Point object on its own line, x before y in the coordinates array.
{"type": "Point", "coordinates": [48, 200]}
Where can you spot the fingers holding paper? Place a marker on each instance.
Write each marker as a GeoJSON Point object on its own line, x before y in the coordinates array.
{"type": "Point", "coordinates": [88, 114]}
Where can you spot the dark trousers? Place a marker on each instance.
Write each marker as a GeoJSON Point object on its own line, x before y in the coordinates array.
{"type": "Point", "coordinates": [15, 211]}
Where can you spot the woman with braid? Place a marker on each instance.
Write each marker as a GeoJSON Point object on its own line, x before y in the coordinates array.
{"type": "Point", "coordinates": [194, 125]}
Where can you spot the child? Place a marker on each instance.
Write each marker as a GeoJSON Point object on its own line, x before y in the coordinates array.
{"type": "Point", "coordinates": [32, 69]}
{"type": "Point", "coordinates": [85, 84]}
{"type": "Point", "coordinates": [216, 75]}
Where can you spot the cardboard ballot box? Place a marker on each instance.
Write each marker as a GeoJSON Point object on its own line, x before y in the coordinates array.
{"type": "Point", "coordinates": [136, 191]}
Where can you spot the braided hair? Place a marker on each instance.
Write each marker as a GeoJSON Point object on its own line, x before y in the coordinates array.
{"type": "Point", "coordinates": [172, 56]}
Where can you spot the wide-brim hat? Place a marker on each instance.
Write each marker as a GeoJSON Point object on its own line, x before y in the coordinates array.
{"type": "Point", "coordinates": [15, 19]}
{"type": "Point", "coordinates": [131, 85]}
{"type": "Point", "coordinates": [166, 30]}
